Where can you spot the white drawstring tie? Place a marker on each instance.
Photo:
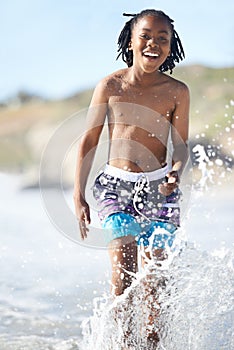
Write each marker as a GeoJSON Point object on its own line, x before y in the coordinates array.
{"type": "Point", "coordinates": [142, 184]}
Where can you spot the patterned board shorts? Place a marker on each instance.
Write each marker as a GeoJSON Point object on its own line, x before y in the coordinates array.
{"type": "Point", "coordinates": [130, 204]}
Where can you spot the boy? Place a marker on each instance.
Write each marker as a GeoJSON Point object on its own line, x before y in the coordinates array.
{"type": "Point", "coordinates": [142, 106]}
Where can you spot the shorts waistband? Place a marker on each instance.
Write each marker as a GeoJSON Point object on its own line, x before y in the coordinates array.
{"type": "Point", "coordinates": [134, 177]}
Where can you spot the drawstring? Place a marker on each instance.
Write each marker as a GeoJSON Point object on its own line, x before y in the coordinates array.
{"type": "Point", "coordinates": [142, 184]}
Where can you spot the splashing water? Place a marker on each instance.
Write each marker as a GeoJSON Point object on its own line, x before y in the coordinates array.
{"type": "Point", "coordinates": [192, 295]}
{"type": "Point", "coordinates": [203, 162]}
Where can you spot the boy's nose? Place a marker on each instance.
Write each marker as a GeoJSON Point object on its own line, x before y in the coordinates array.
{"type": "Point", "coordinates": [152, 42]}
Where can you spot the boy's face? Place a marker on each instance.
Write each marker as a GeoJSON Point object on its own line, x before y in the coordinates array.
{"type": "Point", "coordinates": [150, 42]}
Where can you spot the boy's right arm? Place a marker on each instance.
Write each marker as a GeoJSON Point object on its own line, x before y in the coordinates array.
{"type": "Point", "coordinates": [94, 124]}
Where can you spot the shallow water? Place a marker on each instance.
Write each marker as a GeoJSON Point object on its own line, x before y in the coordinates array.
{"type": "Point", "coordinates": [48, 283]}
{"type": "Point", "coordinates": [194, 306]}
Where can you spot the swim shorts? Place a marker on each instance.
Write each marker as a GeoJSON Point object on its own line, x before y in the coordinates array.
{"type": "Point", "coordinates": [130, 204]}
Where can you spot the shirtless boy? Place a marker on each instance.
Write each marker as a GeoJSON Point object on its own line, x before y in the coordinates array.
{"type": "Point", "coordinates": [142, 105]}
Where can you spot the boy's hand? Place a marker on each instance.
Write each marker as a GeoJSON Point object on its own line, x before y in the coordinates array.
{"type": "Point", "coordinates": [83, 216]}
{"type": "Point", "coordinates": [172, 180]}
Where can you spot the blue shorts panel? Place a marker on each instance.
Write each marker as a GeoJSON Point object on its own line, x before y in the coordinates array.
{"type": "Point", "coordinates": [159, 234]}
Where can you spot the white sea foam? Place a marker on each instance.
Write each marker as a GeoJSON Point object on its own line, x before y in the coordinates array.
{"type": "Point", "coordinates": [195, 293]}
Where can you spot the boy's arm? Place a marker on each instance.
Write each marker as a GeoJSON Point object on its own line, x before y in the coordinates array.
{"type": "Point", "coordinates": [179, 135]}
{"type": "Point", "coordinates": [86, 150]}
{"type": "Point", "coordinates": [180, 128]}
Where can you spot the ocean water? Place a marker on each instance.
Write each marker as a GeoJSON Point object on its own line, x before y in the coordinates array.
{"type": "Point", "coordinates": [54, 293]}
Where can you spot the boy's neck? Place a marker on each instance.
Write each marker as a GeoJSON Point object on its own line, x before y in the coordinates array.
{"type": "Point", "coordinates": [136, 77]}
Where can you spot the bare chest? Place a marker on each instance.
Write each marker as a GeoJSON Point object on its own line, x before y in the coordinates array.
{"type": "Point", "coordinates": [147, 101]}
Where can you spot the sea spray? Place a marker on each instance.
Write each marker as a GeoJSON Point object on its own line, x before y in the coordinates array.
{"type": "Point", "coordinates": [192, 297]}
{"type": "Point", "coordinates": [198, 313]}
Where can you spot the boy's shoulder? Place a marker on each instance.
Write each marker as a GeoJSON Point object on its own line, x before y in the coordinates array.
{"type": "Point", "coordinates": [113, 79]}
{"type": "Point", "coordinates": [108, 85]}
{"type": "Point", "coordinates": [175, 83]}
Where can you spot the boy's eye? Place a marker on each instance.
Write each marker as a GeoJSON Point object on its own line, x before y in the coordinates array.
{"type": "Point", "coordinates": [145, 36]}
{"type": "Point", "coordinates": [162, 39]}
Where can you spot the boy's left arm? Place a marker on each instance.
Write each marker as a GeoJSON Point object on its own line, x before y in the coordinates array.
{"type": "Point", "coordinates": [179, 135]}
{"type": "Point", "coordinates": [180, 128]}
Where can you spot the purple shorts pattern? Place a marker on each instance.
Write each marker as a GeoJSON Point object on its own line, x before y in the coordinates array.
{"type": "Point", "coordinates": [137, 195]}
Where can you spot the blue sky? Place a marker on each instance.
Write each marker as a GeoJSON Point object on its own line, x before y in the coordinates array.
{"type": "Point", "coordinates": [56, 48]}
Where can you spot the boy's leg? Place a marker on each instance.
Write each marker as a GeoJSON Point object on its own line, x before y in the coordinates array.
{"type": "Point", "coordinates": [123, 257]}
{"type": "Point", "coordinates": [155, 253]}
{"type": "Point", "coordinates": [151, 292]}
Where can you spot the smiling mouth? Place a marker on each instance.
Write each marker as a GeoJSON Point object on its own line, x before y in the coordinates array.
{"type": "Point", "coordinates": [151, 54]}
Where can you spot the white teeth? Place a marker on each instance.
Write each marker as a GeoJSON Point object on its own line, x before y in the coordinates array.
{"type": "Point", "coordinates": [151, 54]}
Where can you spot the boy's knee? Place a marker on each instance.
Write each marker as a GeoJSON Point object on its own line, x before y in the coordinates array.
{"type": "Point", "coordinates": [120, 281]}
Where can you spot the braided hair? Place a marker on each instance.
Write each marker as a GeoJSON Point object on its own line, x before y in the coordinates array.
{"type": "Point", "coordinates": [176, 53]}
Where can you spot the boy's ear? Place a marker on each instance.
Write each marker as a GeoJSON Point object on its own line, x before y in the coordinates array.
{"type": "Point", "coordinates": [130, 45]}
